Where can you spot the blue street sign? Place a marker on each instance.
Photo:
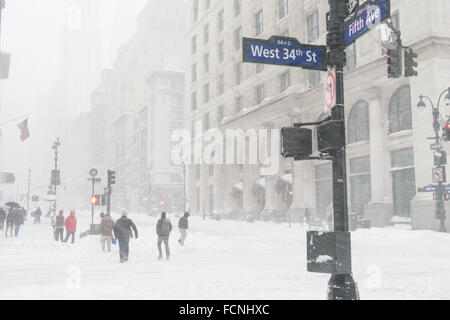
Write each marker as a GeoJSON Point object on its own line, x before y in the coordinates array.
{"type": "Point", "coordinates": [93, 173]}
{"type": "Point", "coordinates": [366, 17]}
{"type": "Point", "coordinates": [284, 51]}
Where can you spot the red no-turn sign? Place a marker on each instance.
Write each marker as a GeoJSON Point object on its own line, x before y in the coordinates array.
{"type": "Point", "coordinates": [438, 175]}
{"type": "Point", "coordinates": [330, 89]}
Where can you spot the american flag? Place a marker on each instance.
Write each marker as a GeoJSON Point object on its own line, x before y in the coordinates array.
{"type": "Point", "coordinates": [23, 127]}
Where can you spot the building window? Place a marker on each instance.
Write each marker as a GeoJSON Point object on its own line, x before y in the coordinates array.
{"type": "Point", "coordinates": [259, 68]}
{"type": "Point", "coordinates": [211, 170]}
{"type": "Point", "coordinates": [259, 23]}
{"type": "Point", "coordinates": [198, 172]}
{"type": "Point", "coordinates": [206, 95]}
{"type": "Point", "coordinates": [220, 21]}
{"type": "Point", "coordinates": [403, 181]}
{"type": "Point", "coordinates": [313, 26]}
{"type": "Point", "coordinates": [221, 84]}
{"type": "Point", "coordinates": [194, 101]}
{"type": "Point", "coordinates": [195, 10]}
{"type": "Point", "coordinates": [206, 63]}
{"type": "Point", "coordinates": [313, 78]}
{"type": "Point", "coordinates": [237, 7]}
{"type": "Point", "coordinates": [351, 58]}
{"type": "Point", "coordinates": [206, 122]}
{"type": "Point", "coordinates": [400, 117]}
{"type": "Point", "coordinates": [194, 72]}
{"type": "Point", "coordinates": [238, 39]}
{"type": "Point", "coordinates": [207, 4]}
{"type": "Point", "coordinates": [358, 123]}
{"type": "Point", "coordinates": [206, 33]}
{"type": "Point", "coordinates": [238, 73]}
{"type": "Point", "coordinates": [220, 52]}
{"type": "Point", "coordinates": [194, 44]}
{"type": "Point", "coordinates": [285, 81]}
{"type": "Point", "coordinates": [283, 8]}
{"type": "Point", "coordinates": [238, 104]}
{"type": "Point", "coordinates": [211, 198]}
{"type": "Point", "coordinates": [220, 113]}
{"type": "Point", "coordinates": [360, 180]}
{"type": "Point", "coordinates": [259, 94]}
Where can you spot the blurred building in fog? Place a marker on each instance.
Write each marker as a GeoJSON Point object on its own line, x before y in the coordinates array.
{"type": "Point", "coordinates": [128, 95]}
{"type": "Point", "coordinates": [388, 154]}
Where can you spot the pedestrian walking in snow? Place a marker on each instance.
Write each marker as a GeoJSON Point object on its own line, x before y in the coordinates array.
{"type": "Point", "coordinates": [106, 232]}
{"type": "Point", "coordinates": [2, 218]}
{"type": "Point", "coordinates": [163, 230]}
{"type": "Point", "coordinates": [59, 226]}
{"type": "Point", "coordinates": [18, 222]}
{"type": "Point", "coordinates": [123, 233]}
{"type": "Point", "coordinates": [183, 225]}
{"type": "Point", "coordinates": [10, 218]}
{"type": "Point", "coordinates": [71, 227]}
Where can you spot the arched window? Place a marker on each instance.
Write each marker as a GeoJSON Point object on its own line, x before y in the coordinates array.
{"type": "Point", "coordinates": [358, 123]}
{"type": "Point", "coordinates": [400, 117]}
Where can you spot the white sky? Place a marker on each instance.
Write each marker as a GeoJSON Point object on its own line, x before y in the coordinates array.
{"type": "Point", "coordinates": [31, 32]}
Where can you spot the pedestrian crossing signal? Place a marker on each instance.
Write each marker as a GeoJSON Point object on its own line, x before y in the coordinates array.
{"type": "Point", "coordinates": [94, 201]}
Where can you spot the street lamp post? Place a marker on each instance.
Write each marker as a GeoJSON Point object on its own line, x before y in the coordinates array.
{"type": "Point", "coordinates": [55, 147]}
{"type": "Point", "coordinates": [437, 147]}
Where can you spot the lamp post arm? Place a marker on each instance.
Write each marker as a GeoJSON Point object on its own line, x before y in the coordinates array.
{"type": "Point", "coordinates": [440, 97]}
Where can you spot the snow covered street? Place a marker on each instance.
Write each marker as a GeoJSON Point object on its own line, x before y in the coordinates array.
{"type": "Point", "coordinates": [221, 260]}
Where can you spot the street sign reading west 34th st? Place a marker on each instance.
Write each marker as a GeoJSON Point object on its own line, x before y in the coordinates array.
{"type": "Point", "coordinates": [284, 51]}
{"type": "Point", "coordinates": [367, 16]}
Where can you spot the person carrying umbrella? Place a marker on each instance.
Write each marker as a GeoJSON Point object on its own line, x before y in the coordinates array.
{"type": "Point", "coordinates": [10, 218]}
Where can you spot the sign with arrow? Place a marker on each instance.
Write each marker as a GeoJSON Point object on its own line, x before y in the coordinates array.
{"type": "Point", "coordinates": [284, 51]}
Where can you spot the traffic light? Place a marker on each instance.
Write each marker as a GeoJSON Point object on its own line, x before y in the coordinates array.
{"type": "Point", "coordinates": [330, 136]}
{"type": "Point", "coordinates": [296, 143]}
{"type": "Point", "coordinates": [94, 200]}
{"type": "Point", "coordinates": [410, 63]}
{"type": "Point", "coordinates": [446, 130]}
{"type": "Point", "coordinates": [111, 177]}
{"type": "Point", "coordinates": [395, 61]}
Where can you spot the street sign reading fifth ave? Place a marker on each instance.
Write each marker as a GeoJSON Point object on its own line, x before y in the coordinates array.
{"type": "Point", "coordinates": [366, 17]}
{"type": "Point", "coordinates": [284, 51]}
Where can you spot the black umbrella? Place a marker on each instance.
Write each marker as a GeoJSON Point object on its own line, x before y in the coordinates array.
{"type": "Point", "coordinates": [13, 205]}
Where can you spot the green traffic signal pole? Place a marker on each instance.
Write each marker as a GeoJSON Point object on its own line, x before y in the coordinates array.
{"type": "Point", "coordinates": [340, 286]}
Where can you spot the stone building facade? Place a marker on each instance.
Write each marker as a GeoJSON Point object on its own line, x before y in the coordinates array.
{"type": "Point", "coordinates": [388, 154]}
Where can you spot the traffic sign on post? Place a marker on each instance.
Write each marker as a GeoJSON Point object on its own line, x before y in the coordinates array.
{"type": "Point", "coordinates": [367, 16]}
{"type": "Point", "coordinates": [439, 175]}
{"type": "Point", "coordinates": [284, 51]}
{"type": "Point", "coordinates": [93, 173]}
{"type": "Point", "coordinates": [330, 90]}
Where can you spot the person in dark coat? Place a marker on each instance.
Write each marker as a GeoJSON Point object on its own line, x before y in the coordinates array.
{"type": "Point", "coordinates": [59, 226]}
{"type": "Point", "coordinates": [163, 230]}
{"type": "Point", "coordinates": [123, 231]}
{"type": "Point", "coordinates": [10, 218]}
{"type": "Point", "coordinates": [2, 218]}
{"type": "Point", "coordinates": [183, 225]}
{"type": "Point", "coordinates": [18, 221]}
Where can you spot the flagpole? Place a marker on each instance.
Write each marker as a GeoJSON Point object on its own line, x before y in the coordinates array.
{"type": "Point", "coordinates": [15, 119]}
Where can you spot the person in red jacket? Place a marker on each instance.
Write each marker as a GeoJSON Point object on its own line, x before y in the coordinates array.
{"type": "Point", "coordinates": [71, 226]}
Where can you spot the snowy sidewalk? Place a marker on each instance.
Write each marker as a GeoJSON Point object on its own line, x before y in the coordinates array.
{"type": "Point", "coordinates": [221, 260]}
